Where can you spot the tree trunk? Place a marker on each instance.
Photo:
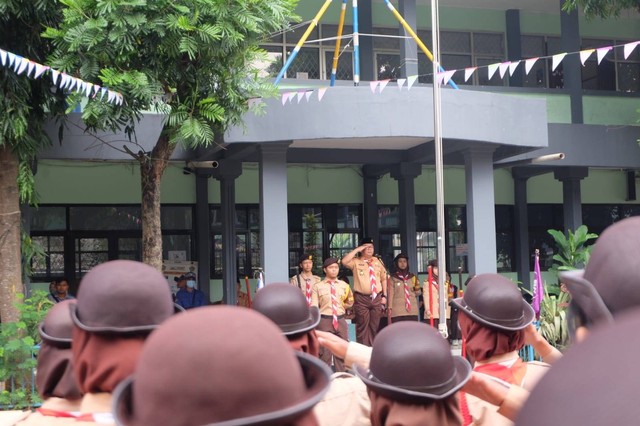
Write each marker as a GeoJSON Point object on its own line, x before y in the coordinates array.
{"type": "Point", "coordinates": [151, 170]}
{"type": "Point", "coordinates": [10, 254]}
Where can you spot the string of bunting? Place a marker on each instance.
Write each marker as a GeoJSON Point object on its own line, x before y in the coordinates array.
{"type": "Point", "coordinates": [62, 80]}
{"type": "Point", "coordinates": [444, 77]}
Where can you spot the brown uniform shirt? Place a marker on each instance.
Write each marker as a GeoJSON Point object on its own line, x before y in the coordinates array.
{"type": "Point", "coordinates": [321, 297]}
{"type": "Point", "coordinates": [361, 279]}
{"type": "Point", "coordinates": [303, 285]}
{"type": "Point", "coordinates": [397, 304]}
{"type": "Point", "coordinates": [432, 307]}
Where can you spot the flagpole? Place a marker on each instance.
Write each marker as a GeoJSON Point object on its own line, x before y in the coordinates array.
{"type": "Point", "coordinates": [437, 134]}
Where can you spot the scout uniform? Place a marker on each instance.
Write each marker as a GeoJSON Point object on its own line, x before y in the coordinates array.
{"type": "Point", "coordinates": [432, 304]}
{"type": "Point", "coordinates": [402, 291]}
{"type": "Point", "coordinates": [305, 284]}
{"type": "Point", "coordinates": [332, 297]}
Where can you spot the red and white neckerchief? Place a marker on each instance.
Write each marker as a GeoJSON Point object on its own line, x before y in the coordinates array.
{"type": "Point", "coordinates": [308, 290]}
{"type": "Point", "coordinates": [100, 418]}
{"type": "Point", "coordinates": [372, 278]}
{"type": "Point", "coordinates": [334, 305]}
{"type": "Point", "coordinates": [407, 294]}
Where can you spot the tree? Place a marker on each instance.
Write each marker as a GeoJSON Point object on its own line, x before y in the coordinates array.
{"type": "Point", "coordinates": [601, 8]}
{"type": "Point", "coordinates": [25, 104]}
{"type": "Point", "coordinates": [189, 59]}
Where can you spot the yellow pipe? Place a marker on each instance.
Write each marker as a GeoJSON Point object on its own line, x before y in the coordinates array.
{"type": "Point", "coordinates": [313, 24]}
{"type": "Point", "coordinates": [336, 53]}
{"type": "Point", "coordinates": [408, 29]}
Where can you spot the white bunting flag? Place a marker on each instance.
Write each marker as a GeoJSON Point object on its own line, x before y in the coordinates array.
{"type": "Point", "coordinates": [468, 72]}
{"type": "Point", "coordinates": [112, 95]}
{"type": "Point", "coordinates": [512, 67]}
{"type": "Point", "coordinates": [584, 55]}
{"type": "Point", "coordinates": [439, 78]}
{"type": "Point", "coordinates": [321, 92]}
{"type": "Point", "coordinates": [103, 92]}
{"type": "Point", "coordinates": [491, 69]}
{"type": "Point", "coordinates": [307, 94]}
{"type": "Point", "coordinates": [503, 68]}
{"type": "Point", "coordinates": [628, 48]}
{"type": "Point", "coordinates": [54, 76]}
{"type": "Point", "coordinates": [3, 56]}
{"type": "Point", "coordinates": [96, 90]}
{"type": "Point", "coordinates": [30, 67]}
{"type": "Point", "coordinates": [602, 52]}
{"type": "Point", "coordinates": [11, 57]}
{"type": "Point", "coordinates": [22, 65]}
{"type": "Point", "coordinates": [39, 70]}
{"type": "Point", "coordinates": [528, 64]}
{"type": "Point", "coordinates": [410, 80]}
{"type": "Point", "coordinates": [556, 59]}
{"type": "Point", "coordinates": [300, 95]}
{"type": "Point", "coordinates": [383, 84]}
{"type": "Point", "coordinates": [87, 89]}
{"type": "Point", "coordinates": [64, 81]}
{"type": "Point", "coordinates": [74, 83]}
{"type": "Point", "coordinates": [373, 85]}
{"type": "Point", "coordinates": [120, 99]}
{"type": "Point", "coordinates": [285, 98]}
{"type": "Point", "coordinates": [401, 82]}
{"type": "Point", "coordinates": [447, 76]}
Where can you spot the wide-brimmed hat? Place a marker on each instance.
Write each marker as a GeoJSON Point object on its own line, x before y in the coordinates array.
{"type": "Point", "coordinates": [285, 305]}
{"type": "Point", "coordinates": [495, 301]}
{"type": "Point", "coordinates": [57, 327]}
{"type": "Point", "coordinates": [610, 283]}
{"type": "Point", "coordinates": [229, 366]}
{"type": "Point", "coordinates": [122, 296]}
{"type": "Point", "coordinates": [411, 362]}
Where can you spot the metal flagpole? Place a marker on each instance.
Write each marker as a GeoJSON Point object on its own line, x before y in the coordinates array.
{"type": "Point", "coordinates": [356, 45]}
{"type": "Point", "coordinates": [437, 133]}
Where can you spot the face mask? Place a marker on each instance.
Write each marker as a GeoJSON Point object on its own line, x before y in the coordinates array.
{"type": "Point", "coordinates": [191, 284]}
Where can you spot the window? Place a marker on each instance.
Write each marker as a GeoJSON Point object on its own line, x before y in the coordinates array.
{"type": "Point", "coordinates": [614, 72]}
{"type": "Point", "coordinates": [541, 75]}
{"type": "Point", "coordinates": [344, 71]}
{"type": "Point", "coordinates": [505, 244]}
{"type": "Point", "coordinates": [543, 217]}
{"type": "Point", "coordinates": [52, 265]}
{"type": "Point", "coordinates": [247, 240]}
{"type": "Point", "coordinates": [279, 47]}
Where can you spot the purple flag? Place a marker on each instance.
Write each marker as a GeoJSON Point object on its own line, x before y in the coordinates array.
{"type": "Point", "coordinates": [538, 289]}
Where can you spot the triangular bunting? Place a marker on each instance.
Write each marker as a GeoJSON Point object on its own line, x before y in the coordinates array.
{"type": "Point", "coordinates": [307, 94]}
{"type": "Point", "coordinates": [39, 70]}
{"type": "Point", "coordinates": [3, 56]}
{"type": "Point", "coordinates": [54, 76]}
{"type": "Point", "coordinates": [292, 96]}
{"type": "Point", "coordinates": [103, 92]}
{"type": "Point", "coordinates": [383, 84]}
{"type": "Point", "coordinates": [468, 72]}
{"type": "Point", "coordinates": [628, 48]}
{"type": "Point", "coordinates": [556, 59]}
{"type": "Point", "coordinates": [74, 83]}
{"type": "Point", "coordinates": [24, 62]}
{"type": "Point", "coordinates": [584, 55]}
{"type": "Point", "coordinates": [64, 81]}
{"type": "Point", "coordinates": [30, 66]}
{"type": "Point", "coordinates": [321, 92]}
{"type": "Point", "coordinates": [503, 68]}
{"type": "Point", "coordinates": [439, 78]}
{"type": "Point", "coordinates": [528, 64]}
{"type": "Point", "coordinates": [17, 62]}
{"type": "Point", "coordinates": [602, 52]}
{"type": "Point", "coordinates": [111, 95]}
{"type": "Point", "coordinates": [285, 97]}
{"type": "Point", "coordinates": [448, 75]}
{"type": "Point", "coordinates": [373, 85]}
{"type": "Point", "coordinates": [87, 89]}
{"type": "Point", "coordinates": [300, 95]}
{"type": "Point", "coordinates": [491, 69]}
{"type": "Point", "coordinates": [512, 67]}
{"type": "Point", "coordinates": [96, 90]}
{"type": "Point", "coordinates": [410, 80]}
{"type": "Point", "coordinates": [401, 82]}
{"type": "Point", "coordinates": [12, 58]}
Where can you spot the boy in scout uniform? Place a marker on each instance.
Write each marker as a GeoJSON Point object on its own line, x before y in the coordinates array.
{"type": "Point", "coordinates": [370, 288]}
{"type": "Point", "coordinates": [403, 289]}
{"type": "Point", "coordinates": [305, 279]}
{"type": "Point", "coordinates": [332, 296]}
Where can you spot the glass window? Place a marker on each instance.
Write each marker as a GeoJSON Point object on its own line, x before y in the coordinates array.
{"type": "Point", "coordinates": [348, 217]}
{"type": "Point", "coordinates": [388, 217]}
{"type": "Point", "coordinates": [89, 253]}
{"type": "Point", "coordinates": [488, 44]}
{"type": "Point", "coordinates": [342, 243]}
{"type": "Point", "coordinates": [306, 64]}
{"type": "Point", "coordinates": [271, 65]}
{"type": "Point", "coordinates": [108, 218]}
{"type": "Point", "coordinates": [176, 242]}
{"type": "Point", "coordinates": [48, 218]}
{"type": "Point", "coordinates": [52, 264]}
{"type": "Point", "coordinates": [505, 245]}
{"type": "Point", "coordinates": [130, 248]}
{"type": "Point", "coordinates": [176, 217]}
{"type": "Point", "coordinates": [387, 66]}
{"type": "Point", "coordinates": [387, 43]}
{"type": "Point", "coordinates": [344, 71]}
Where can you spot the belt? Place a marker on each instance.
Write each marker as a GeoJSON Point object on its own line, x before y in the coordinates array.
{"type": "Point", "coordinates": [331, 316]}
{"type": "Point", "coordinates": [364, 294]}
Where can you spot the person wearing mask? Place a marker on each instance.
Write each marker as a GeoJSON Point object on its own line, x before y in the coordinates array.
{"type": "Point", "coordinates": [189, 296]}
{"type": "Point", "coordinates": [305, 279]}
{"type": "Point", "coordinates": [61, 291]}
{"type": "Point", "coordinates": [370, 290]}
{"type": "Point", "coordinates": [332, 297]}
{"type": "Point", "coordinates": [404, 288]}
{"type": "Point", "coordinates": [229, 365]}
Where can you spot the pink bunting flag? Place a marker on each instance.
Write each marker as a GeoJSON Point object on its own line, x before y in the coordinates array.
{"type": "Point", "coordinates": [3, 57]}
{"type": "Point", "coordinates": [512, 67]}
{"type": "Point", "coordinates": [285, 98]}
{"type": "Point", "coordinates": [300, 95]}
{"type": "Point", "coordinates": [321, 92]}
{"type": "Point", "coordinates": [439, 78]}
{"type": "Point", "coordinates": [602, 52]}
{"type": "Point", "coordinates": [96, 90]}
{"type": "Point", "coordinates": [503, 68]}
{"type": "Point", "coordinates": [383, 84]}
{"type": "Point", "coordinates": [401, 82]}
{"type": "Point", "coordinates": [628, 48]}
{"type": "Point", "coordinates": [39, 70]}
{"type": "Point", "coordinates": [468, 72]}
{"type": "Point", "coordinates": [491, 69]}
{"type": "Point", "coordinates": [307, 94]}
{"type": "Point", "coordinates": [528, 64]}
{"type": "Point", "coordinates": [373, 85]}
{"type": "Point", "coordinates": [556, 59]}
{"type": "Point", "coordinates": [584, 55]}
{"type": "Point", "coordinates": [410, 80]}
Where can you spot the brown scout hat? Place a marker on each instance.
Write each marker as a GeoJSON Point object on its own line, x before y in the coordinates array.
{"type": "Point", "coordinates": [229, 366]}
{"type": "Point", "coordinates": [330, 261]}
{"type": "Point", "coordinates": [595, 382]}
{"type": "Point", "coordinates": [496, 302]}
{"type": "Point", "coordinates": [304, 257]}
{"type": "Point", "coordinates": [400, 256]}
{"type": "Point", "coordinates": [122, 296]}
{"type": "Point", "coordinates": [57, 327]}
{"type": "Point", "coordinates": [610, 283]}
{"type": "Point", "coordinates": [411, 362]}
{"type": "Point", "coordinates": [286, 306]}
{"type": "Point", "coordinates": [366, 240]}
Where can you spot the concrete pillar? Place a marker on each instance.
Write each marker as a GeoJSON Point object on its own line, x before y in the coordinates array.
{"type": "Point", "coordinates": [571, 66]}
{"type": "Point", "coordinates": [521, 225]}
{"type": "Point", "coordinates": [227, 173]}
{"type": "Point", "coordinates": [481, 215]}
{"type": "Point", "coordinates": [405, 174]}
{"type": "Point", "coordinates": [274, 226]}
{"type": "Point", "coordinates": [203, 234]}
{"type": "Point", "coordinates": [514, 47]}
{"type": "Point", "coordinates": [571, 194]}
{"type": "Point", "coordinates": [370, 203]}
{"type": "Point", "coordinates": [408, 47]}
{"type": "Point", "coordinates": [367, 59]}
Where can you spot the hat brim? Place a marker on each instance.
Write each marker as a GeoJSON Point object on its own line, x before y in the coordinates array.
{"type": "Point", "coordinates": [586, 297]}
{"type": "Point", "coordinates": [107, 329]}
{"type": "Point", "coordinates": [301, 327]}
{"type": "Point", "coordinates": [317, 380]}
{"type": "Point", "coordinates": [58, 341]}
{"type": "Point", "coordinates": [528, 315]}
{"type": "Point", "coordinates": [462, 375]}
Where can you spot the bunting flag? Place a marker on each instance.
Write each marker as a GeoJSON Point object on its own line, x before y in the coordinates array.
{"type": "Point", "coordinates": [503, 68]}
{"type": "Point", "coordinates": [584, 55]}
{"type": "Point", "coordinates": [32, 69]}
{"type": "Point", "coordinates": [285, 97]}
{"type": "Point", "coordinates": [260, 284]}
{"type": "Point", "coordinates": [307, 94]}
{"type": "Point", "coordinates": [447, 76]}
{"type": "Point", "coordinates": [528, 64]}
{"type": "Point", "coordinates": [300, 95]}
{"type": "Point", "coordinates": [401, 82]}
{"type": "Point", "coordinates": [628, 48]}
{"type": "Point", "coordinates": [538, 285]}
{"type": "Point", "coordinates": [468, 72]}
{"type": "Point", "coordinates": [556, 59]}
{"type": "Point", "coordinates": [439, 78]}
{"type": "Point", "coordinates": [383, 84]}
{"type": "Point", "coordinates": [373, 85]}
{"type": "Point", "coordinates": [512, 67]}
{"type": "Point", "coordinates": [602, 52]}
{"type": "Point", "coordinates": [321, 93]}
{"type": "Point", "coordinates": [491, 69]}
{"type": "Point", "coordinates": [410, 80]}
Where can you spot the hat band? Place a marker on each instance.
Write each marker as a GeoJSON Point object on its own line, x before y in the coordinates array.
{"type": "Point", "coordinates": [502, 321]}
{"type": "Point", "coordinates": [443, 385]}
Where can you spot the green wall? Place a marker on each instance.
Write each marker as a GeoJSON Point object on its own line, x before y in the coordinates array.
{"type": "Point", "coordinates": [313, 184]}
{"type": "Point", "coordinates": [614, 110]}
